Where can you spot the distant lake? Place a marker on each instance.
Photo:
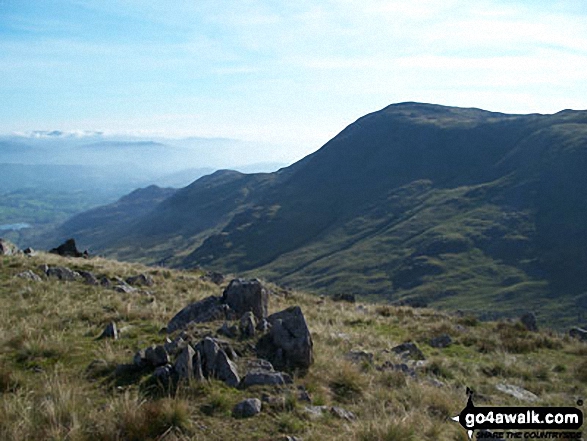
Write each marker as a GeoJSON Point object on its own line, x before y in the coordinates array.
{"type": "Point", "coordinates": [18, 226]}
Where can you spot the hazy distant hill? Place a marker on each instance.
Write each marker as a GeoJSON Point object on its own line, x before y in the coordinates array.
{"type": "Point", "coordinates": [433, 205]}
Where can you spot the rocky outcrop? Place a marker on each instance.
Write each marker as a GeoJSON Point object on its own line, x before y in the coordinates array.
{"type": "Point", "coordinates": [68, 249]}
{"type": "Point", "coordinates": [288, 344]}
{"type": "Point", "coordinates": [247, 295]}
{"type": "Point", "coordinates": [7, 248]}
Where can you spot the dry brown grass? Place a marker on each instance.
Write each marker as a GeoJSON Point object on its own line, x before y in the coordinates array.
{"type": "Point", "coordinates": [54, 373]}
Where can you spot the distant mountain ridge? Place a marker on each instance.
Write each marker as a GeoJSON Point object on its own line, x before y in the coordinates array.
{"type": "Point", "coordinates": [428, 204]}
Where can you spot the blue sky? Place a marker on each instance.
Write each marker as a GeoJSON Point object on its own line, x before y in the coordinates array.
{"type": "Point", "coordinates": [288, 73]}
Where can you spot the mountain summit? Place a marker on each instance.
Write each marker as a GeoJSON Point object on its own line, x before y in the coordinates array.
{"type": "Point", "coordinates": [420, 203]}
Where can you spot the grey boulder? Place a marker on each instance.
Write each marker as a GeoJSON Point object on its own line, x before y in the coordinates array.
{"type": "Point", "coordinates": [243, 295]}
{"type": "Point", "coordinates": [206, 310]}
{"type": "Point", "coordinates": [247, 408]}
{"type": "Point", "coordinates": [288, 345]}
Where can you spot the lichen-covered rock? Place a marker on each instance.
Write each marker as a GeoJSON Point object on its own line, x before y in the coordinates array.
{"type": "Point", "coordinates": [247, 295]}
{"type": "Point", "coordinates": [247, 408]}
{"type": "Point", "coordinates": [288, 345]}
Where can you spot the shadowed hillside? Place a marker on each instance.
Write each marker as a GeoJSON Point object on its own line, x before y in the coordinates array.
{"type": "Point", "coordinates": [419, 203]}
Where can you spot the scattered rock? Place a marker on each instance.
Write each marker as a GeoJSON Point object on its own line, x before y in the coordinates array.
{"type": "Point", "coordinates": [578, 333]}
{"type": "Point", "coordinates": [342, 414]}
{"type": "Point", "coordinates": [263, 326]}
{"type": "Point", "coordinates": [247, 408]}
{"type": "Point", "coordinates": [206, 310]}
{"type": "Point", "coordinates": [228, 330]}
{"type": "Point", "coordinates": [225, 370]}
{"type": "Point", "coordinates": [29, 252]}
{"type": "Point", "coordinates": [214, 277]}
{"type": "Point", "coordinates": [344, 298]}
{"type": "Point", "coordinates": [529, 321]}
{"type": "Point", "coordinates": [247, 325]}
{"type": "Point", "coordinates": [7, 248]}
{"type": "Point", "coordinates": [175, 345]}
{"type": "Point", "coordinates": [62, 273]}
{"type": "Point", "coordinates": [197, 363]}
{"type": "Point", "coordinates": [359, 356]}
{"type": "Point", "coordinates": [442, 341]}
{"type": "Point", "coordinates": [247, 295]}
{"type": "Point", "coordinates": [105, 282]}
{"type": "Point", "coordinates": [263, 377]}
{"type": "Point", "coordinates": [517, 392]}
{"type": "Point", "coordinates": [139, 360]}
{"type": "Point", "coordinates": [68, 249]}
{"type": "Point", "coordinates": [89, 278]}
{"type": "Point", "coordinates": [208, 349]}
{"type": "Point", "coordinates": [400, 367]}
{"type": "Point", "coordinates": [29, 275]}
{"type": "Point", "coordinates": [110, 331]}
{"type": "Point", "coordinates": [436, 383]}
{"type": "Point", "coordinates": [317, 411]}
{"type": "Point", "coordinates": [124, 288]}
{"type": "Point", "coordinates": [184, 365]}
{"type": "Point", "coordinates": [288, 345]}
{"type": "Point", "coordinates": [156, 356]}
{"type": "Point", "coordinates": [163, 374]}
{"type": "Point", "coordinates": [409, 350]}
{"type": "Point", "coordinates": [140, 280]}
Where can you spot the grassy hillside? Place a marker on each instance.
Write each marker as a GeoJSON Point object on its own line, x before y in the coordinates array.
{"type": "Point", "coordinates": [57, 381]}
{"type": "Point", "coordinates": [430, 205]}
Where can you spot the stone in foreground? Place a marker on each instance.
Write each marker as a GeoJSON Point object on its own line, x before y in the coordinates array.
{"type": "Point", "coordinates": [247, 295]}
{"type": "Point", "coordinates": [288, 345]}
{"type": "Point", "coordinates": [206, 310]}
{"type": "Point", "coordinates": [247, 408]}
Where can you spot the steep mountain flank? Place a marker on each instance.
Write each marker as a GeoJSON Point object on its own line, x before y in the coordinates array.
{"type": "Point", "coordinates": [422, 203]}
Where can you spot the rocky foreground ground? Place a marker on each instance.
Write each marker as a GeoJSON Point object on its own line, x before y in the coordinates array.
{"type": "Point", "coordinates": [98, 349]}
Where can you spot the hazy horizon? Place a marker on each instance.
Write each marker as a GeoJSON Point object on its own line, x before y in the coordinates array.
{"type": "Point", "coordinates": [287, 75]}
